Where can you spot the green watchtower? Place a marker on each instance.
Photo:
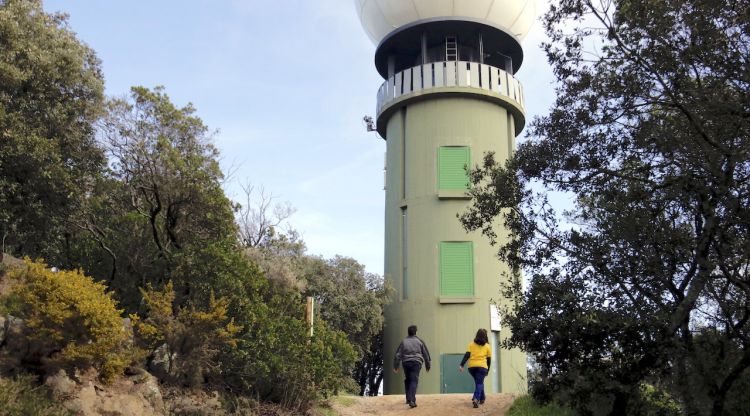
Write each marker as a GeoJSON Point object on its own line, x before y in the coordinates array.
{"type": "Point", "coordinates": [449, 96]}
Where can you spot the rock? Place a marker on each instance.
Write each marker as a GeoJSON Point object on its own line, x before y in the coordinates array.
{"type": "Point", "coordinates": [16, 342]}
{"type": "Point", "coordinates": [62, 386]}
{"type": "Point", "coordinates": [7, 262]}
{"type": "Point", "coordinates": [137, 395]}
{"type": "Point", "coordinates": [159, 363]}
{"type": "Point", "coordinates": [3, 329]}
{"type": "Point", "coordinates": [84, 395]}
{"type": "Point", "coordinates": [147, 386]}
{"type": "Point", "coordinates": [127, 326]}
{"type": "Point", "coordinates": [15, 345]}
{"type": "Point", "coordinates": [123, 397]}
{"type": "Point", "coordinates": [197, 404]}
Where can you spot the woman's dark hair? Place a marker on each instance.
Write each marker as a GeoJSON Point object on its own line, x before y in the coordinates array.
{"type": "Point", "coordinates": [481, 337]}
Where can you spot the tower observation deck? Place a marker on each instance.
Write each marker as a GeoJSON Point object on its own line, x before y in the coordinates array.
{"type": "Point", "coordinates": [449, 96]}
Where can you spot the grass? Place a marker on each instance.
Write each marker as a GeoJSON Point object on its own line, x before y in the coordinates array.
{"type": "Point", "coordinates": [324, 411]}
{"type": "Point", "coordinates": [325, 408]}
{"type": "Point", "coordinates": [21, 396]}
{"type": "Point", "coordinates": [525, 406]}
{"type": "Point", "coordinates": [345, 401]}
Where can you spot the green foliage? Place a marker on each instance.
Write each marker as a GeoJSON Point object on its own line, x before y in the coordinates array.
{"type": "Point", "coordinates": [276, 360]}
{"type": "Point", "coordinates": [352, 301]}
{"type": "Point", "coordinates": [650, 139]}
{"type": "Point", "coordinates": [72, 319]}
{"type": "Point", "coordinates": [160, 214]}
{"type": "Point", "coordinates": [193, 337]}
{"type": "Point", "coordinates": [368, 372]}
{"type": "Point", "coordinates": [173, 223]}
{"type": "Point", "coordinates": [51, 91]}
{"type": "Point", "coordinates": [348, 298]}
{"type": "Point", "coordinates": [156, 216]}
{"type": "Point", "coordinates": [282, 258]}
{"type": "Point", "coordinates": [652, 401]}
{"type": "Point", "coordinates": [21, 396]}
{"type": "Point", "coordinates": [526, 406]}
{"type": "Point", "coordinates": [714, 360]}
{"type": "Point", "coordinates": [341, 287]}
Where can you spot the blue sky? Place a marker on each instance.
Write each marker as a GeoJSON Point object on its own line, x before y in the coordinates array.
{"type": "Point", "coordinates": [286, 84]}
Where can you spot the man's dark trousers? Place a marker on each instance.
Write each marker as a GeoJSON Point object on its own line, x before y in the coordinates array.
{"type": "Point", "coordinates": [411, 374]}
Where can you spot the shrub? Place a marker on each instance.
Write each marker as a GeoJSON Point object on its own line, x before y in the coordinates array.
{"type": "Point", "coordinates": [526, 406]}
{"type": "Point", "coordinates": [192, 337]}
{"type": "Point", "coordinates": [653, 401]}
{"type": "Point", "coordinates": [72, 320]}
{"type": "Point", "coordinates": [22, 396]}
{"type": "Point", "coordinates": [277, 361]}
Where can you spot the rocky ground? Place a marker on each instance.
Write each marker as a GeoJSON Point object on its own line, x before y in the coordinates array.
{"type": "Point", "coordinates": [427, 405]}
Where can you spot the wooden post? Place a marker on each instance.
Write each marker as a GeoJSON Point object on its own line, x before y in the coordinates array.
{"type": "Point", "coordinates": [310, 313]}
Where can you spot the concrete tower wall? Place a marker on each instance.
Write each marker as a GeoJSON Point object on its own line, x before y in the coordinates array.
{"type": "Point", "coordinates": [419, 216]}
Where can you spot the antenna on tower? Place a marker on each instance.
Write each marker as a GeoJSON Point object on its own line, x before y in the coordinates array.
{"type": "Point", "coordinates": [369, 123]}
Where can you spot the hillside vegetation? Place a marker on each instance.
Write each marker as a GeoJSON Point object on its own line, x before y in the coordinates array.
{"type": "Point", "coordinates": [139, 260]}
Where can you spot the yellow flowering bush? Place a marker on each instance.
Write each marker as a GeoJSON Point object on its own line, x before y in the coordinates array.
{"type": "Point", "coordinates": [73, 321]}
{"type": "Point", "coordinates": [192, 338]}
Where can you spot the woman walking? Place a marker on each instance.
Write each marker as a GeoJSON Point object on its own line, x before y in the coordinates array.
{"type": "Point", "coordinates": [479, 356]}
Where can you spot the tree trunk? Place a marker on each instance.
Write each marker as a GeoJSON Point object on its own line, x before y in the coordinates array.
{"type": "Point", "coordinates": [620, 406]}
{"type": "Point", "coordinates": [684, 385]}
{"type": "Point", "coordinates": [721, 395]}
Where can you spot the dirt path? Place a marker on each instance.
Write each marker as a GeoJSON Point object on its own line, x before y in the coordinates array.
{"type": "Point", "coordinates": [427, 405]}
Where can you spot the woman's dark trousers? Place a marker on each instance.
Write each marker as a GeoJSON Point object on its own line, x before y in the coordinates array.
{"type": "Point", "coordinates": [479, 374]}
{"type": "Point", "coordinates": [411, 379]}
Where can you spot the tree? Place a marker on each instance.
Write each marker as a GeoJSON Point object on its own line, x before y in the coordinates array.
{"type": "Point", "coordinates": [300, 368]}
{"type": "Point", "coordinates": [352, 301]}
{"type": "Point", "coordinates": [349, 299]}
{"type": "Point", "coordinates": [51, 92]}
{"type": "Point", "coordinates": [159, 214]}
{"type": "Point", "coordinates": [281, 255]}
{"type": "Point", "coordinates": [650, 136]}
{"type": "Point", "coordinates": [257, 219]}
{"type": "Point", "coordinates": [368, 372]}
{"type": "Point", "coordinates": [283, 260]}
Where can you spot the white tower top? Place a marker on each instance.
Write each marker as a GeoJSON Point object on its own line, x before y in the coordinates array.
{"type": "Point", "coordinates": [381, 17]}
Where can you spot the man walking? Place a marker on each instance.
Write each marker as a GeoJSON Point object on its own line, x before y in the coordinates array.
{"type": "Point", "coordinates": [411, 354]}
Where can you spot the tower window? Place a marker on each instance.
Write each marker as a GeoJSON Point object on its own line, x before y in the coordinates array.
{"type": "Point", "coordinates": [457, 269]}
{"type": "Point", "coordinates": [453, 162]}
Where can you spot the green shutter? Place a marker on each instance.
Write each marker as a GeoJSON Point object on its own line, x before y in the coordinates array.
{"type": "Point", "coordinates": [452, 164]}
{"type": "Point", "coordinates": [456, 269]}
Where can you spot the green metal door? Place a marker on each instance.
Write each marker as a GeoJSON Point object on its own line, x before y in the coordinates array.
{"type": "Point", "coordinates": [452, 380]}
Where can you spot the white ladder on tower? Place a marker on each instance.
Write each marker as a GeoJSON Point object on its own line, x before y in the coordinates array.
{"type": "Point", "coordinates": [451, 48]}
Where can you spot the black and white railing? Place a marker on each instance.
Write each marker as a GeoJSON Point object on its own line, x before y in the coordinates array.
{"type": "Point", "coordinates": [438, 76]}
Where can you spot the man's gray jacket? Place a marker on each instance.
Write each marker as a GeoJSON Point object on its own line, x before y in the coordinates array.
{"type": "Point", "coordinates": [412, 349]}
